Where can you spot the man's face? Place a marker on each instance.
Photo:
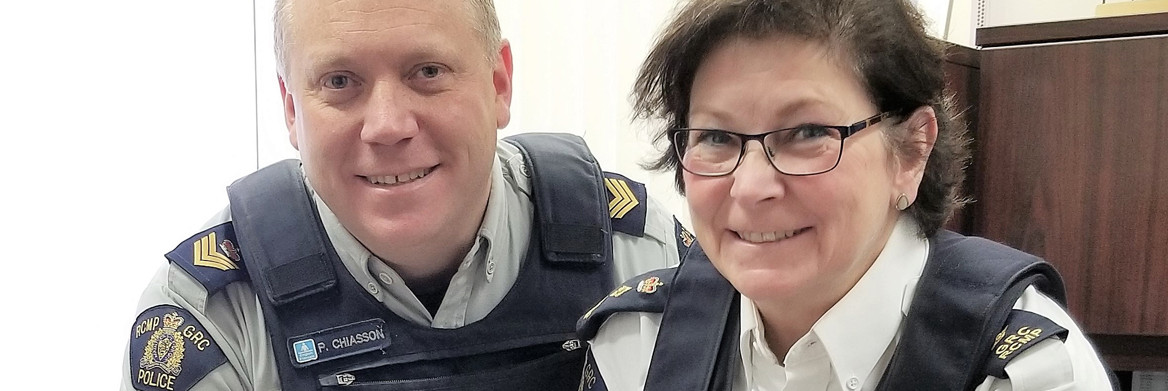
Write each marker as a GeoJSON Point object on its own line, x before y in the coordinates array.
{"type": "Point", "coordinates": [394, 106]}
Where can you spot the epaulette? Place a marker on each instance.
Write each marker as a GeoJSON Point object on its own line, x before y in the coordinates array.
{"type": "Point", "coordinates": [211, 257]}
{"type": "Point", "coordinates": [644, 293]}
{"type": "Point", "coordinates": [1023, 330]}
{"type": "Point", "coordinates": [627, 204]}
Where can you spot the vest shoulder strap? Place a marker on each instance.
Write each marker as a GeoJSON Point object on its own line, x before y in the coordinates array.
{"type": "Point", "coordinates": [965, 296]}
{"type": "Point", "coordinates": [287, 264]}
{"type": "Point", "coordinates": [698, 336]}
{"type": "Point", "coordinates": [569, 192]}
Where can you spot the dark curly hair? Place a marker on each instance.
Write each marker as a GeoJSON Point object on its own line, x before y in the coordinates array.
{"type": "Point", "coordinates": [888, 49]}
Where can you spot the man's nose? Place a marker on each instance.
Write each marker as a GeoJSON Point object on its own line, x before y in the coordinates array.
{"type": "Point", "coordinates": [390, 116]}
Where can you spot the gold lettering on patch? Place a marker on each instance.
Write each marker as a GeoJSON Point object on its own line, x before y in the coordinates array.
{"type": "Point", "coordinates": [155, 379]}
{"type": "Point", "coordinates": [1015, 341]}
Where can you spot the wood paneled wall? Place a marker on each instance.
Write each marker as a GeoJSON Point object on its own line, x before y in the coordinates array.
{"type": "Point", "coordinates": [1073, 166]}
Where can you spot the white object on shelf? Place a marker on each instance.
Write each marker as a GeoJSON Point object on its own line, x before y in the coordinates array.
{"type": "Point", "coordinates": [1149, 381]}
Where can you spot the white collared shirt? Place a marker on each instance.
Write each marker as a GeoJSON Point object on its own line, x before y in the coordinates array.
{"type": "Point", "coordinates": [850, 346]}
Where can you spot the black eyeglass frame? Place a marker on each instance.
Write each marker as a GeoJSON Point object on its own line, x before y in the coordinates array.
{"type": "Point", "coordinates": [845, 132]}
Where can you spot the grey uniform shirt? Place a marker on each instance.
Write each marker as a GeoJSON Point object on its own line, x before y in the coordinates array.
{"type": "Point", "coordinates": [233, 319]}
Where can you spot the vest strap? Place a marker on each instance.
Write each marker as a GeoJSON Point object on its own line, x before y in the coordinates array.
{"type": "Point", "coordinates": [569, 190]}
{"type": "Point", "coordinates": [687, 341]}
{"type": "Point", "coordinates": [966, 291]}
{"type": "Point", "coordinates": [294, 263]}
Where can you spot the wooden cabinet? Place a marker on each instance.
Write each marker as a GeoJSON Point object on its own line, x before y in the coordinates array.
{"type": "Point", "coordinates": [1071, 164]}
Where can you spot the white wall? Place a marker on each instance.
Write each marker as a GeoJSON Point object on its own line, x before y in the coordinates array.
{"type": "Point", "coordinates": [123, 121]}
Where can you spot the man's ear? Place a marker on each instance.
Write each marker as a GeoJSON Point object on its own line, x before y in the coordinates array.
{"type": "Point", "coordinates": [922, 128]}
{"type": "Point", "coordinates": [501, 76]}
{"type": "Point", "coordinates": [289, 112]}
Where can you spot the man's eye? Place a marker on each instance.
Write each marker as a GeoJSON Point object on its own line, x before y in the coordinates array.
{"type": "Point", "coordinates": [429, 71]}
{"type": "Point", "coordinates": [337, 82]}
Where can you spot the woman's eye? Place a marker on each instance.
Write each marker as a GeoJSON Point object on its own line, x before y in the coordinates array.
{"type": "Point", "coordinates": [714, 137]}
{"type": "Point", "coordinates": [810, 132]}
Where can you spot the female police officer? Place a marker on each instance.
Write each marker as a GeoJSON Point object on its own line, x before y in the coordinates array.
{"type": "Point", "coordinates": [819, 158]}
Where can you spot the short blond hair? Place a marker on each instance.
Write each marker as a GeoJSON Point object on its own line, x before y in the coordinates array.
{"type": "Point", "coordinates": [485, 19]}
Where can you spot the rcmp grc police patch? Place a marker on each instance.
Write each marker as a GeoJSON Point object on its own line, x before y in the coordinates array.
{"type": "Point", "coordinates": [170, 350]}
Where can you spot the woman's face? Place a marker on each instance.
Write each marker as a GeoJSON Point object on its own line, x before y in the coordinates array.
{"type": "Point", "coordinates": [780, 238]}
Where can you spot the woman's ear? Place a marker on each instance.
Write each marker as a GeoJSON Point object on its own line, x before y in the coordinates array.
{"type": "Point", "coordinates": [922, 128]}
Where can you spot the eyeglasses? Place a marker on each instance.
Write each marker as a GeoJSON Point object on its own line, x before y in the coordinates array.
{"type": "Point", "coordinates": [800, 151]}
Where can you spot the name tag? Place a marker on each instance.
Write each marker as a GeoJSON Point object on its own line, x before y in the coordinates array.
{"type": "Point", "coordinates": [338, 342]}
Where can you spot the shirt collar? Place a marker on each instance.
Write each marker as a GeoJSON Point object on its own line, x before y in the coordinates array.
{"type": "Point", "coordinates": [877, 301]}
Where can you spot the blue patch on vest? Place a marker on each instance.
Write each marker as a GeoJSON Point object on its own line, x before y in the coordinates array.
{"type": "Point", "coordinates": [211, 257]}
{"type": "Point", "coordinates": [1023, 330]}
{"type": "Point", "coordinates": [627, 201]}
{"type": "Point", "coordinates": [170, 350]}
{"type": "Point", "coordinates": [338, 342]}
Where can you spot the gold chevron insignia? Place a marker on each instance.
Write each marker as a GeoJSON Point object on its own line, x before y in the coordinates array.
{"type": "Point", "coordinates": [206, 254]}
{"type": "Point", "coordinates": [623, 199]}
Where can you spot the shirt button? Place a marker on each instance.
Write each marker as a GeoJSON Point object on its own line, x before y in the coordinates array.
{"type": "Point", "coordinates": [853, 383]}
{"type": "Point", "coordinates": [385, 279]}
{"type": "Point", "coordinates": [372, 287]}
{"type": "Point", "coordinates": [490, 267]}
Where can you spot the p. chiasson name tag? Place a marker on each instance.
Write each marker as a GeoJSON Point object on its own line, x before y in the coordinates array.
{"type": "Point", "coordinates": [338, 342]}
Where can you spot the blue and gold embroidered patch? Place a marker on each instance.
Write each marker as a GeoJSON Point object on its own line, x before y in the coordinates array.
{"type": "Point", "coordinates": [211, 257]}
{"type": "Point", "coordinates": [626, 204]}
{"type": "Point", "coordinates": [1023, 330]}
{"type": "Point", "coordinates": [170, 350]}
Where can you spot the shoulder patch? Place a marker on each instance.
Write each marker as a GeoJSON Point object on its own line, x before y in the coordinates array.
{"type": "Point", "coordinates": [644, 293]}
{"type": "Point", "coordinates": [627, 201]}
{"type": "Point", "coordinates": [211, 257]}
{"type": "Point", "coordinates": [170, 350]}
{"type": "Point", "coordinates": [1023, 330]}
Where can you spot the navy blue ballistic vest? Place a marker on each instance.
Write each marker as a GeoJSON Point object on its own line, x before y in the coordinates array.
{"type": "Point", "coordinates": [329, 334]}
{"type": "Point", "coordinates": [957, 322]}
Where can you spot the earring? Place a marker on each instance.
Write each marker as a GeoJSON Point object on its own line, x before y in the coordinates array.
{"type": "Point", "coordinates": [902, 202]}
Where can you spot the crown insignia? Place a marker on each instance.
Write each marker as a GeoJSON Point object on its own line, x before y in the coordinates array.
{"type": "Point", "coordinates": [172, 321]}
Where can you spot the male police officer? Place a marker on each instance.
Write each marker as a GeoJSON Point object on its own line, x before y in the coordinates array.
{"type": "Point", "coordinates": [409, 248]}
